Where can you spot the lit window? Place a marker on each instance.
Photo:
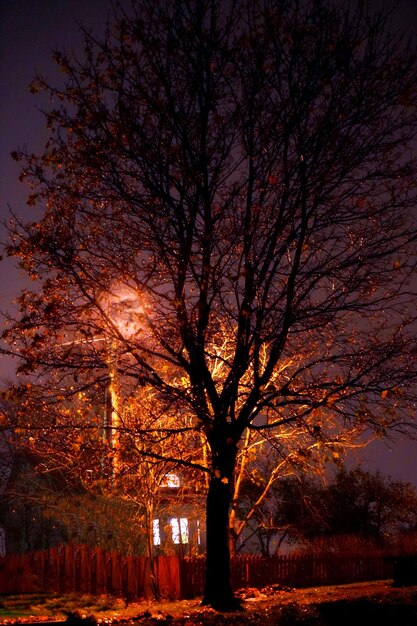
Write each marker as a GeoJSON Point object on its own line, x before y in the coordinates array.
{"type": "Point", "coordinates": [171, 480]}
{"type": "Point", "coordinates": [156, 533]}
{"type": "Point", "coordinates": [179, 527]}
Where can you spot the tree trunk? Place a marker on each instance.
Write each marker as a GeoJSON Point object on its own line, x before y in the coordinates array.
{"type": "Point", "coordinates": [218, 589]}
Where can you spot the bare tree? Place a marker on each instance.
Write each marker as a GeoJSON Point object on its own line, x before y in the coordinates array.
{"type": "Point", "coordinates": [265, 459]}
{"type": "Point", "coordinates": [244, 173]}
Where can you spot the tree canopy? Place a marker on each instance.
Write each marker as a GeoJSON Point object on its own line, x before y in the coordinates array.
{"type": "Point", "coordinates": [228, 196]}
{"type": "Point", "coordinates": [354, 503]}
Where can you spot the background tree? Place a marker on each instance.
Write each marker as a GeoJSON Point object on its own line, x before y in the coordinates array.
{"type": "Point", "coordinates": [245, 171]}
{"type": "Point", "coordinates": [354, 503]}
{"type": "Point", "coordinates": [371, 504]}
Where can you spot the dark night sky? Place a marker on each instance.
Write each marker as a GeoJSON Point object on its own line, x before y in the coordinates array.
{"type": "Point", "coordinates": [29, 31]}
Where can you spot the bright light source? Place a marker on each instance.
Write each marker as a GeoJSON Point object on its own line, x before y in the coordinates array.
{"type": "Point", "coordinates": [125, 309]}
{"type": "Point", "coordinates": [171, 481]}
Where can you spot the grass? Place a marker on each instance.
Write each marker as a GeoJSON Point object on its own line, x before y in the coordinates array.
{"type": "Point", "coordinates": [58, 606]}
{"type": "Point", "coordinates": [359, 604]}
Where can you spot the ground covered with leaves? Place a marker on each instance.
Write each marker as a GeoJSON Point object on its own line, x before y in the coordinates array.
{"type": "Point", "coordinates": [361, 603]}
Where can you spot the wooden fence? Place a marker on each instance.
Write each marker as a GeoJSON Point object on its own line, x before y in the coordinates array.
{"type": "Point", "coordinates": [82, 569]}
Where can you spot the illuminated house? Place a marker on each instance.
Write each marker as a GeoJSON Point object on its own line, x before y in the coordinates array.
{"type": "Point", "coordinates": [178, 527]}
